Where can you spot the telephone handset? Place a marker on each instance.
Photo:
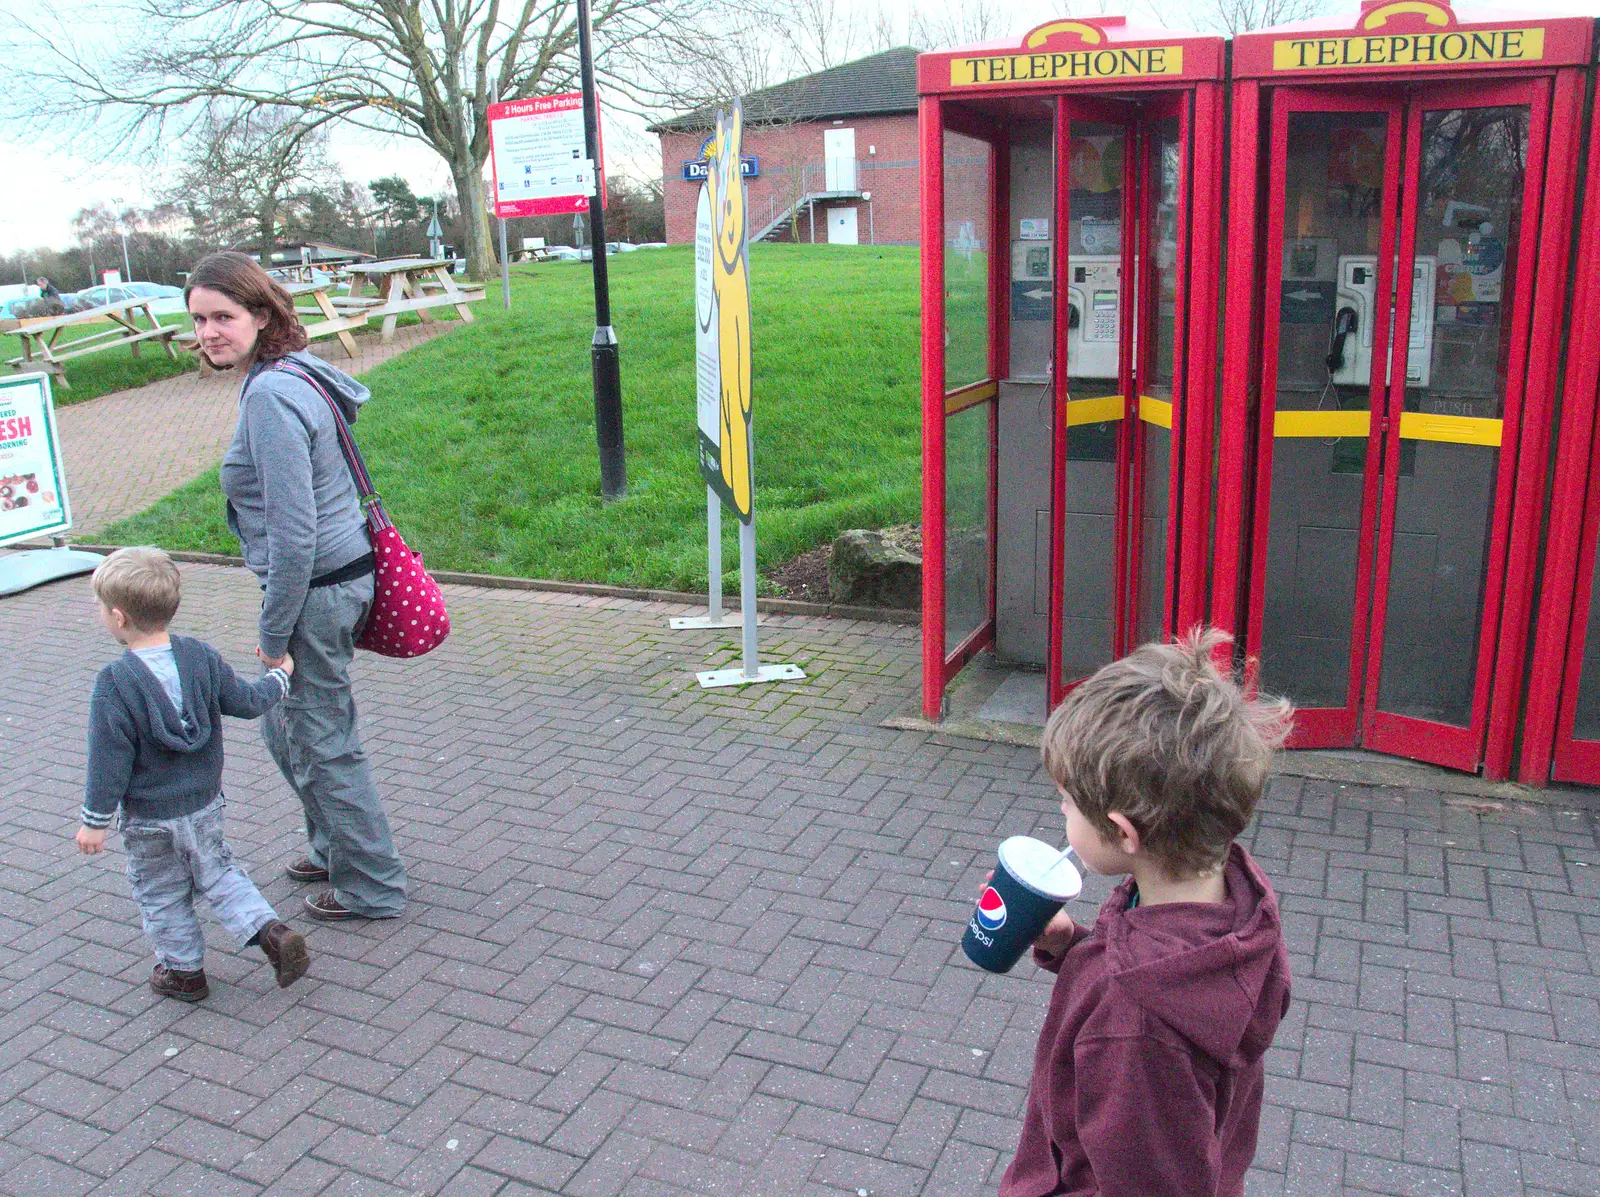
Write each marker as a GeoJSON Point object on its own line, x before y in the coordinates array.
{"type": "Point", "coordinates": [1355, 307]}
{"type": "Point", "coordinates": [1344, 326]}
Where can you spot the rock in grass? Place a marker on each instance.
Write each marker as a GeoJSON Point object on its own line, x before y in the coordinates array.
{"type": "Point", "coordinates": [864, 570]}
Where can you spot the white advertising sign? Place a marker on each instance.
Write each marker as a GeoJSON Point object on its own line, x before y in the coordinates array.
{"type": "Point", "coordinates": [708, 367]}
{"type": "Point", "coordinates": [33, 487]}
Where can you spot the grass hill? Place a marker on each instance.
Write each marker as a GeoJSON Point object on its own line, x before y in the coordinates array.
{"type": "Point", "coordinates": [482, 442]}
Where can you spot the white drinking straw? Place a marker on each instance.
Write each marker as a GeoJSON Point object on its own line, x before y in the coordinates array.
{"type": "Point", "coordinates": [1065, 852]}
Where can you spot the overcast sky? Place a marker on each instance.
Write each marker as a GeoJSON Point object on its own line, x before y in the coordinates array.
{"type": "Point", "coordinates": [46, 184]}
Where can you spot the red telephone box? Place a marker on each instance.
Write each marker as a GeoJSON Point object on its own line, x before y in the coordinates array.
{"type": "Point", "coordinates": [1071, 214]}
{"type": "Point", "coordinates": [1400, 204]}
{"type": "Point", "coordinates": [1561, 732]}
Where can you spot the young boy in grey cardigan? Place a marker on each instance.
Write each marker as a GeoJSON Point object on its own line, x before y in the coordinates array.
{"type": "Point", "coordinates": [155, 753]}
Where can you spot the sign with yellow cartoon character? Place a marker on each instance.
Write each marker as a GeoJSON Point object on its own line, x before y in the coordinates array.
{"type": "Point", "coordinates": [722, 314]}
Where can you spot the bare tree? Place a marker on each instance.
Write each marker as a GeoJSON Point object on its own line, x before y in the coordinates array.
{"type": "Point", "coordinates": [244, 168]}
{"type": "Point", "coordinates": [939, 29]}
{"type": "Point", "coordinates": [423, 69]}
{"type": "Point", "coordinates": [1233, 17]}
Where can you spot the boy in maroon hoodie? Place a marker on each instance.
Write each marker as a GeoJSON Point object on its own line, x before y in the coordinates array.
{"type": "Point", "coordinates": [1147, 1080]}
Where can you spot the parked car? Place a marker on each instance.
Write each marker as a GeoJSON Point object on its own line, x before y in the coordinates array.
{"type": "Point", "coordinates": [12, 309]}
{"type": "Point", "coordinates": [168, 301]}
{"type": "Point", "coordinates": [562, 253]}
{"type": "Point", "coordinates": [651, 245]}
{"type": "Point", "coordinates": [620, 247]}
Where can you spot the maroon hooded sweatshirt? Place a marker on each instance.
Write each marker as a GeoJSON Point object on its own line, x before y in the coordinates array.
{"type": "Point", "coordinates": [1147, 1080]}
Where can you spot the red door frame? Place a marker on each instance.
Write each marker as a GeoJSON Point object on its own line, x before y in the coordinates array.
{"type": "Point", "coordinates": [1321, 726]}
{"type": "Point", "coordinates": [1241, 351]}
{"type": "Point", "coordinates": [1550, 751]}
{"type": "Point", "coordinates": [1138, 311]}
{"type": "Point", "coordinates": [930, 131]}
{"type": "Point", "coordinates": [939, 666]}
{"type": "Point", "coordinates": [1423, 739]}
{"type": "Point", "coordinates": [1201, 273]}
{"type": "Point", "coordinates": [1244, 453]}
{"type": "Point", "coordinates": [1180, 106]}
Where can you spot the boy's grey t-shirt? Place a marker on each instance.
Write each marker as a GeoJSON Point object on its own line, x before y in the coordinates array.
{"type": "Point", "coordinates": [165, 666]}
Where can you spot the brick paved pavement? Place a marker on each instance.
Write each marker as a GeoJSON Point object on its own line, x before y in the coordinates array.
{"type": "Point", "coordinates": [667, 942]}
{"type": "Point", "coordinates": [125, 450]}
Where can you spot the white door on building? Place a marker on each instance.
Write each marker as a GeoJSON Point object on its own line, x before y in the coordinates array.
{"type": "Point", "coordinates": [842, 227]}
{"type": "Point", "coordinates": [839, 160]}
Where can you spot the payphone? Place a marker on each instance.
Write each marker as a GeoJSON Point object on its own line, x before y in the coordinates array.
{"type": "Point", "coordinates": [1094, 303]}
{"type": "Point", "coordinates": [1094, 318]}
{"type": "Point", "coordinates": [1355, 308]}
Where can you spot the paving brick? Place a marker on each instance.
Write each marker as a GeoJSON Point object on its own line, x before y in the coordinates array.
{"type": "Point", "coordinates": [648, 949]}
{"type": "Point", "coordinates": [526, 1161]}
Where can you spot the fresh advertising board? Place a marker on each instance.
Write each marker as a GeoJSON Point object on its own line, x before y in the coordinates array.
{"type": "Point", "coordinates": [537, 152]}
{"type": "Point", "coordinates": [33, 489]}
{"type": "Point", "coordinates": [722, 316]}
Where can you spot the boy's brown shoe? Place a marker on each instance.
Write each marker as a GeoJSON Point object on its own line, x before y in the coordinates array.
{"type": "Point", "coordinates": [304, 870]}
{"type": "Point", "coordinates": [186, 987]}
{"type": "Point", "coordinates": [286, 949]}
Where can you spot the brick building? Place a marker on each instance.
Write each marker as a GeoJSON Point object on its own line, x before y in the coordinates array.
{"type": "Point", "coordinates": [834, 153]}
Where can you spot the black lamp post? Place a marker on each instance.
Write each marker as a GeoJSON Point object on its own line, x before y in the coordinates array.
{"type": "Point", "coordinates": [604, 353]}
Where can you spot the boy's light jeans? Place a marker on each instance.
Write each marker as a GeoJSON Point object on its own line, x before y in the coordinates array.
{"type": "Point", "coordinates": [312, 736]}
{"type": "Point", "coordinates": [172, 860]}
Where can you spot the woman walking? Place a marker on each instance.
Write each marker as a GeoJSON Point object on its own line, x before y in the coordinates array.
{"type": "Point", "coordinates": [293, 505]}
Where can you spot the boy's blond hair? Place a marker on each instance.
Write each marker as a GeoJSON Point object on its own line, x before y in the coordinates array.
{"type": "Point", "coordinates": [142, 583]}
{"type": "Point", "coordinates": [1165, 739]}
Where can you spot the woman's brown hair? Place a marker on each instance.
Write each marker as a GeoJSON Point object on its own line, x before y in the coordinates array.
{"type": "Point", "coordinates": [242, 280]}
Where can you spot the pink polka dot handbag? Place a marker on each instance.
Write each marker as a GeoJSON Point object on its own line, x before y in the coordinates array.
{"type": "Point", "coordinates": [408, 616]}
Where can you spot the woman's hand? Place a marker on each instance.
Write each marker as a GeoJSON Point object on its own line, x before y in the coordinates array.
{"type": "Point", "coordinates": [270, 662]}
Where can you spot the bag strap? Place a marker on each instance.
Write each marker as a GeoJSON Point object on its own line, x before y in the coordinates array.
{"type": "Point", "coordinates": [371, 505]}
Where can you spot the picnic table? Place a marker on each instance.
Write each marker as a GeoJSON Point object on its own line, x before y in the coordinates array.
{"type": "Point", "coordinates": [40, 351]}
{"type": "Point", "coordinates": [334, 323]}
{"type": "Point", "coordinates": [407, 285]}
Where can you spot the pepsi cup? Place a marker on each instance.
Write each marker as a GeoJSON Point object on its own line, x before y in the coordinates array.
{"type": "Point", "coordinates": [1031, 882]}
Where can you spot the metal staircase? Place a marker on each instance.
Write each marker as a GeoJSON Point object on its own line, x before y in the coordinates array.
{"type": "Point", "coordinates": [805, 205]}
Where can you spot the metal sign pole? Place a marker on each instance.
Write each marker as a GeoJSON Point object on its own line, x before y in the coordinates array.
{"type": "Point", "coordinates": [715, 616]}
{"type": "Point", "coordinates": [505, 268]}
{"type": "Point", "coordinates": [747, 598]}
{"type": "Point", "coordinates": [750, 669]}
{"type": "Point", "coordinates": [714, 556]}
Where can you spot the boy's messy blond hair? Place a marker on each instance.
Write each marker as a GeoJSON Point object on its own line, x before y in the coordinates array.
{"type": "Point", "coordinates": [1164, 738]}
{"type": "Point", "coordinates": [142, 583]}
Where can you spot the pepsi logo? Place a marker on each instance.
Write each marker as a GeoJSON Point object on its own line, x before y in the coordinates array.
{"type": "Point", "coordinates": [991, 910]}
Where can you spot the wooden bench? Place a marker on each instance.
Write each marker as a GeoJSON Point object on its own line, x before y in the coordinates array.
{"type": "Point", "coordinates": [40, 352]}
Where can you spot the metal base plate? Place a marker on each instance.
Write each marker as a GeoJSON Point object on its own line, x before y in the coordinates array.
{"type": "Point", "coordinates": [730, 619]}
{"type": "Point", "coordinates": [24, 570]}
{"type": "Point", "coordinates": [714, 678]}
